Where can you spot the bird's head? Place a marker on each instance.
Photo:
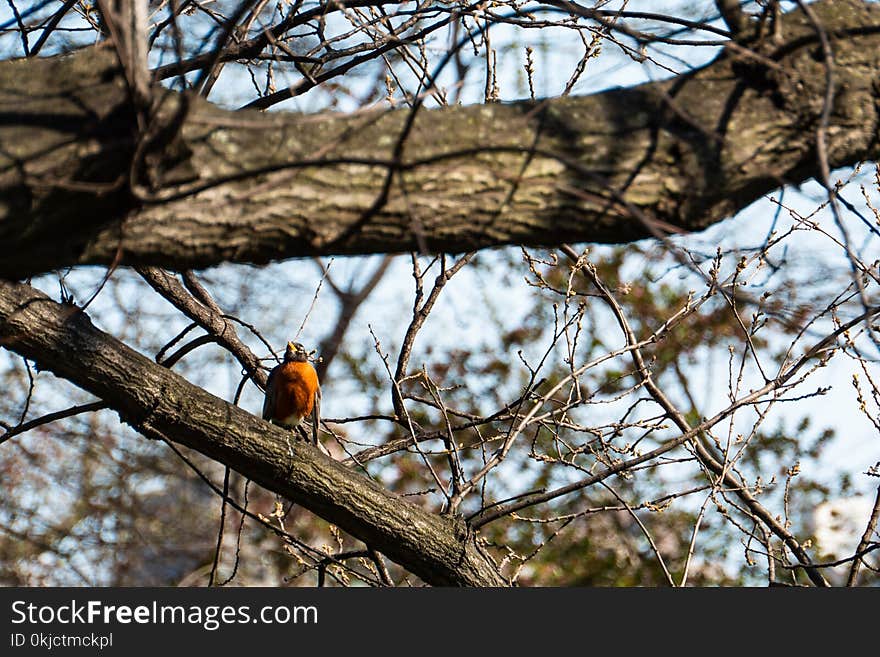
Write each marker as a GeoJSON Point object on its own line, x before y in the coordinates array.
{"type": "Point", "coordinates": [295, 352]}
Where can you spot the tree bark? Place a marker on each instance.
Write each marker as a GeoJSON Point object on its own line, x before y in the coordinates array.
{"type": "Point", "coordinates": [79, 184]}
{"type": "Point", "coordinates": [161, 404]}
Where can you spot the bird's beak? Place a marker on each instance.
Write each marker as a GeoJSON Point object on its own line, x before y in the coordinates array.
{"type": "Point", "coordinates": [290, 346]}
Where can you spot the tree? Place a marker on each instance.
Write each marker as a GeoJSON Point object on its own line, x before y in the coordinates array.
{"type": "Point", "coordinates": [106, 164]}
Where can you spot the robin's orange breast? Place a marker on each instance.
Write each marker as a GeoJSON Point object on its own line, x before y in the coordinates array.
{"type": "Point", "coordinates": [295, 388]}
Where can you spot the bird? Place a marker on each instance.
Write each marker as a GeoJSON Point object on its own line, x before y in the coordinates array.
{"type": "Point", "coordinates": [293, 391]}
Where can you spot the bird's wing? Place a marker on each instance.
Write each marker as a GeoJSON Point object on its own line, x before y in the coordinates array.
{"type": "Point", "coordinates": [269, 401]}
{"type": "Point", "coordinates": [316, 416]}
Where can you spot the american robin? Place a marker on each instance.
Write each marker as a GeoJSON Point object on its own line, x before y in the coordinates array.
{"type": "Point", "coordinates": [293, 392]}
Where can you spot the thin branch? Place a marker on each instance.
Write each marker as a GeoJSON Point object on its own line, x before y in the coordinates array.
{"type": "Point", "coordinates": [733, 15]}
{"type": "Point", "coordinates": [212, 578]}
{"type": "Point", "coordinates": [52, 417]}
{"type": "Point", "coordinates": [870, 528]}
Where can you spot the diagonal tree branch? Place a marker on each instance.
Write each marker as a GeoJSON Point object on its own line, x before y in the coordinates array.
{"type": "Point", "coordinates": [205, 313]}
{"type": "Point", "coordinates": [161, 404]}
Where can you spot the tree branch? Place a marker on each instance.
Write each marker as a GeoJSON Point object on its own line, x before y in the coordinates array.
{"type": "Point", "coordinates": [204, 311]}
{"type": "Point", "coordinates": [161, 404]}
{"type": "Point", "coordinates": [733, 16]}
{"type": "Point", "coordinates": [253, 187]}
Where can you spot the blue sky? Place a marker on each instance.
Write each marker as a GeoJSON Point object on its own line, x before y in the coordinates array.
{"type": "Point", "coordinates": [460, 317]}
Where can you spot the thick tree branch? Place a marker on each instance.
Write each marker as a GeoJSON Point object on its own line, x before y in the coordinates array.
{"type": "Point", "coordinates": [161, 404]}
{"type": "Point", "coordinates": [252, 187]}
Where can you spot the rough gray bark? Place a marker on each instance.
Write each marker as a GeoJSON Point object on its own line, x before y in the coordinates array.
{"type": "Point", "coordinates": [159, 403]}
{"type": "Point", "coordinates": [79, 185]}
